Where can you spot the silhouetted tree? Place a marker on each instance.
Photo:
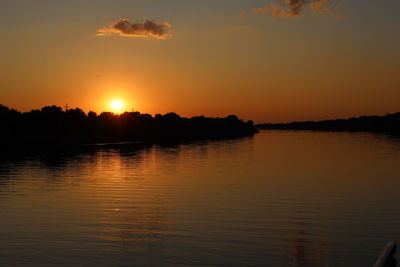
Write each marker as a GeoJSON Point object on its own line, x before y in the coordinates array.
{"type": "Point", "coordinates": [51, 125]}
{"type": "Point", "coordinates": [389, 123]}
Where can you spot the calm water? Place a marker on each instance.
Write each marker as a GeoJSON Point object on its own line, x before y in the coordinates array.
{"type": "Point", "coordinates": [278, 199]}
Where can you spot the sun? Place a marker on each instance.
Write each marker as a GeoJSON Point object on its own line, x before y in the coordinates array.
{"type": "Point", "coordinates": [117, 105]}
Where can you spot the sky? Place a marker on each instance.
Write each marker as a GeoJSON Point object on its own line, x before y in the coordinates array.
{"type": "Point", "coordinates": [265, 60]}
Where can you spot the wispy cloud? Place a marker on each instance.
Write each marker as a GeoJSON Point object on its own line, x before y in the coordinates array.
{"type": "Point", "coordinates": [144, 29]}
{"type": "Point", "coordinates": [295, 8]}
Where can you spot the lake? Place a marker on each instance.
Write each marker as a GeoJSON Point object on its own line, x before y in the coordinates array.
{"type": "Point", "coordinates": [280, 198]}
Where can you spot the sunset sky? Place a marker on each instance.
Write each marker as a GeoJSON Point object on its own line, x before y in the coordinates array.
{"type": "Point", "coordinates": [265, 60]}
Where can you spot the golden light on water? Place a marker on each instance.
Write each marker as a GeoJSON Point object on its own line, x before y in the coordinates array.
{"type": "Point", "coordinates": [117, 105]}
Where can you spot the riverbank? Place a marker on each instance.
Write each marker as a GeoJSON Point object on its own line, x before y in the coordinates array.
{"type": "Point", "coordinates": [388, 124]}
{"type": "Point", "coordinates": [51, 128]}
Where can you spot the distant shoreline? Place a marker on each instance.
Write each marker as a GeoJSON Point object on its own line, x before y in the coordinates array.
{"type": "Point", "coordinates": [388, 124]}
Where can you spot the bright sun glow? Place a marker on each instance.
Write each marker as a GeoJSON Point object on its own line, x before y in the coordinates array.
{"type": "Point", "coordinates": [117, 105]}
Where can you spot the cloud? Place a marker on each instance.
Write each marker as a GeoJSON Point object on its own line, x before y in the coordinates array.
{"type": "Point", "coordinates": [144, 29]}
{"type": "Point", "coordinates": [295, 8]}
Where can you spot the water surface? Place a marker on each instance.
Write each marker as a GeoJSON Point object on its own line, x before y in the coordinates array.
{"type": "Point", "coordinates": [280, 198]}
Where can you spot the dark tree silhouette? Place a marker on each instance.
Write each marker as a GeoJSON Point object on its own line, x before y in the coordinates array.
{"type": "Point", "coordinates": [51, 126]}
{"type": "Point", "coordinates": [389, 123]}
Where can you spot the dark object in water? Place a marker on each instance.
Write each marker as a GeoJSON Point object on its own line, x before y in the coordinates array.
{"type": "Point", "coordinates": [387, 259]}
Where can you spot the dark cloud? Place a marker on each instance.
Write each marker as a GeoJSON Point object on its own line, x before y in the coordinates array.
{"type": "Point", "coordinates": [145, 29]}
{"type": "Point", "coordinates": [295, 8]}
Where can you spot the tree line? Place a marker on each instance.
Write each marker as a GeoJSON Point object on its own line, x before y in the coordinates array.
{"type": "Point", "coordinates": [389, 123]}
{"type": "Point", "coordinates": [52, 124]}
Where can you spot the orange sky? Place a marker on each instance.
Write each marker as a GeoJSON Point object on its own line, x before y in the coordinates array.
{"type": "Point", "coordinates": [202, 57]}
